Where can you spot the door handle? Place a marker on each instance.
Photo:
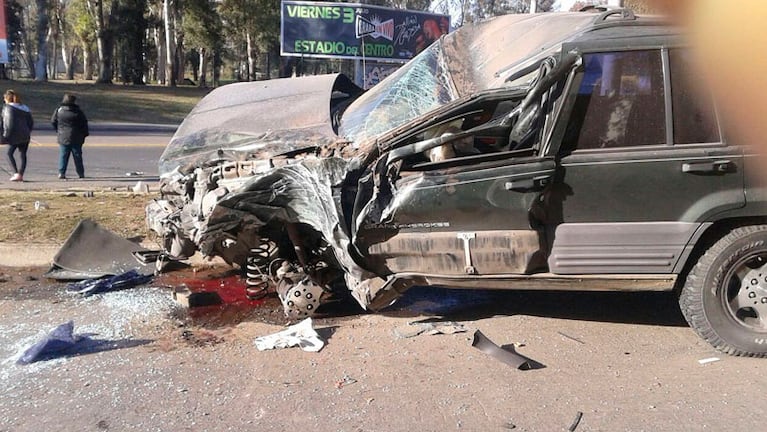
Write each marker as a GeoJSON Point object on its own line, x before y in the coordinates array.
{"type": "Point", "coordinates": [527, 184]}
{"type": "Point", "coordinates": [708, 167]}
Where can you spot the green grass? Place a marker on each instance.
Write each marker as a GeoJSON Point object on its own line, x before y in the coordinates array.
{"type": "Point", "coordinates": [110, 103]}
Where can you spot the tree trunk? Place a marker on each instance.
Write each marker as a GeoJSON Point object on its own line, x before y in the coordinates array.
{"type": "Point", "coordinates": [67, 55]}
{"type": "Point", "coordinates": [180, 63]}
{"type": "Point", "coordinates": [216, 68]}
{"type": "Point", "coordinates": [159, 41]}
{"type": "Point", "coordinates": [251, 57]}
{"type": "Point", "coordinates": [105, 41]}
{"type": "Point", "coordinates": [203, 79]}
{"type": "Point", "coordinates": [54, 64]}
{"type": "Point", "coordinates": [71, 64]}
{"type": "Point", "coordinates": [170, 43]}
{"type": "Point", "coordinates": [87, 63]}
{"type": "Point", "coordinates": [41, 72]}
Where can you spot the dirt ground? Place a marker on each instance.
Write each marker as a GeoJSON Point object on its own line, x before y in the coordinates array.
{"type": "Point", "coordinates": [627, 362]}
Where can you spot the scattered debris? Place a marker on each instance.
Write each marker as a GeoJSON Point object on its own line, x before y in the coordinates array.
{"type": "Point", "coordinates": [430, 328]}
{"type": "Point", "coordinates": [141, 187]}
{"type": "Point", "coordinates": [572, 338]}
{"type": "Point", "coordinates": [91, 251]}
{"type": "Point", "coordinates": [88, 194]}
{"type": "Point", "coordinates": [345, 381]}
{"type": "Point", "coordinates": [709, 360]}
{"type": "Point", "coordinates": [41, 205]}
{"type": "Point", "coordinates": [134, 173]}
{"type": "Point", "coordinates": [59, 340]}
{"type": "Point", "coordinates": [190, 299]}
{"type": "Point", "coordinates": [576, 421]}
{"type": "Point", "coordinates": [509, 426]}
{"type": "Point", "coordinates": [125, 280]}
{"type": "Point", "coordinates": [201, 337]}
{"type": "Point", "coordinates": [301, 334]}
{"type": "Point", "coordinates": [507, 354]}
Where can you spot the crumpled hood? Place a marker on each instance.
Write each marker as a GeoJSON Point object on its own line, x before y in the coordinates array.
{"type": "Point", "coordinates": [261, 119]}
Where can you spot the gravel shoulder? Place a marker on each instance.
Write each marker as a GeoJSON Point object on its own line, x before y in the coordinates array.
{"type": "Point", "coordinates": [626, 361]}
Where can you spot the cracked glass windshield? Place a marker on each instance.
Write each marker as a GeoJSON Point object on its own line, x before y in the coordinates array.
{"type": "Point", "coordinates": [418, 87]}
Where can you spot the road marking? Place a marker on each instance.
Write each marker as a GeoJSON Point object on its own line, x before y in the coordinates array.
{"type": "Point", "coordinates": [89, 144]}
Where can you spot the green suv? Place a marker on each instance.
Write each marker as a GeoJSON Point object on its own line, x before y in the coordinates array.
{"type": "Point", "coordinates": [560, 151]}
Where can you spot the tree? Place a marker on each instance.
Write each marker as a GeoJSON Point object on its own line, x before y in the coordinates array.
{"type": "Point", "coordinates": [132, 27]}
{"type": "Point", "coordinates": [14, 14]}
{"type": "Point", "coordinates": [105, 17]}
{"type": "Point", "coordinates": [41, 65]}
{"type": "Point", "coordinates": [482, 9]}
{"type": "Point", "coordinates": [203, 30]}
{"type": "Point", "coordinates": [83, 25]}
{"type": "Point", "coordinates": [254, 27]}
{"type": "Point", "coordinates": [174, 40]}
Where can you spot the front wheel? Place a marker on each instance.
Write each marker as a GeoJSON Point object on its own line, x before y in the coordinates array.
{"type": "Point", "coordinates": [724, 298]}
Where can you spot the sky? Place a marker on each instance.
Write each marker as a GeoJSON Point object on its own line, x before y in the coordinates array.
{"type": "Point", "coordinates": [563, 5]}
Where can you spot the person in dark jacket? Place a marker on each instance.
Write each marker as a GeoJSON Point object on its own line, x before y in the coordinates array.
{"type": "Point", "coordinates": [16, 124]}
{"type": "Point", "coordinates": [71, 128]}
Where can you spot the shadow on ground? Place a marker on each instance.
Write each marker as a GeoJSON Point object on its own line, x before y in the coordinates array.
{"type": "Point", "coordinates": [647, 308]}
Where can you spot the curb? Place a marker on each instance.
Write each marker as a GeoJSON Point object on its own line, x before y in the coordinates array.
{"type": "Point", "coordinates": [132, 127]}
{"type": "Point", "coordinates": [41, 255]}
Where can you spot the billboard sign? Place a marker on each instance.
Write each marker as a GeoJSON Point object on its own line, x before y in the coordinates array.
{"type": "Point", "coordinates": [3, 34]}
{"type": "Point", "coordinates": [352, 30]}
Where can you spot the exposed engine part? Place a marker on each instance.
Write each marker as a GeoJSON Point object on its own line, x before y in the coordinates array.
{"type": "Point", "coordinates": [299, 295]}
{"type": "Point", "coordinates": [257, 270]}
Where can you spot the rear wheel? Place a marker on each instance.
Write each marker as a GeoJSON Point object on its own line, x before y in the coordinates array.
{"type": "Point", "coordinates": [725, 295]}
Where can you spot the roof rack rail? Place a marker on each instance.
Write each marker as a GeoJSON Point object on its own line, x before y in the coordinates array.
{"type": "Point", "coordinates": [625, 14]}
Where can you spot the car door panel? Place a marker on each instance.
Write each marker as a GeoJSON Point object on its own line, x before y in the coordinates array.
{"type": "Point", "coordinates": [638, 185]}
{"type": "Point", "coordinates": [471, 219]}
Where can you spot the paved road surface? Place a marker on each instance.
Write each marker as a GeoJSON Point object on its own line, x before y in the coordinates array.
{"type": "Point", "coordinates": [110, 154]}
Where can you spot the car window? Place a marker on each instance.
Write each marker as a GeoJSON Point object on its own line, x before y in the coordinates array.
{"type": "Point", "coordinates": [620, 101]}
{"type": "Point", "coordinates": [694, 114]}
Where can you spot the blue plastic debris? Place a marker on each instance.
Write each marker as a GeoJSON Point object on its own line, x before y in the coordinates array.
{"type": "Point", "coordinates": [62, 342]}
{"type": "Point", "coordinates": [125, 280]}
{"type": "Point", "coordinates": [58, 341]}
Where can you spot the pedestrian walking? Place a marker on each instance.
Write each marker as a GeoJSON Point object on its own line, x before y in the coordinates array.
{"type": "Point", "coordinates": [71, 127]}
{"type": "Point", "coordinates": [16, 124]}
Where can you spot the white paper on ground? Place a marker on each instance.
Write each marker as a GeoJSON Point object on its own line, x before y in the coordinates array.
{"type": "Point", "coordinates": [301, 335]}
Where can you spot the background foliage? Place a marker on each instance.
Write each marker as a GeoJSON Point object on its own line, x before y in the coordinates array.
{"type": "Point", "coordinates": [200, 42]}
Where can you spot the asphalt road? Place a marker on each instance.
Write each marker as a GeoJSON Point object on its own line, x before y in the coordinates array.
{"type": "Point", "coordinates": [114, 156]}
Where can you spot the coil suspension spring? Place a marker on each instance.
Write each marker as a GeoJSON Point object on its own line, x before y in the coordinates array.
{"type": "Point", "coordinates": [257, 270]}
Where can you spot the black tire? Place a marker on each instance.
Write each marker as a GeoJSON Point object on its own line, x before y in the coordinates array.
{"type": "Point", "coordinates": [724, 298]}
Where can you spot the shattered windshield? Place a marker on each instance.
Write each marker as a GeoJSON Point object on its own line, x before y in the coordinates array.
{"type": "Point", "coordinates": [474, 58]}
{"type": "Point", "coordinates": [418, 87]}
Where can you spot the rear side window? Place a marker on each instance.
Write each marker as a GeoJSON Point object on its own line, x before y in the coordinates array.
{"type": "Point", "coordinates": [620, 102]}
{"type": "Point", "coordinates": [694, 114]}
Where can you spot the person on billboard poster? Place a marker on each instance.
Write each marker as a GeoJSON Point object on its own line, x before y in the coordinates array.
{"type": "Point", "coordinates": [431, 30]}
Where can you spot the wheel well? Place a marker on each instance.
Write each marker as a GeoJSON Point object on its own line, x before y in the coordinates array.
{"type": "Point", "coordinates": [712, 234]}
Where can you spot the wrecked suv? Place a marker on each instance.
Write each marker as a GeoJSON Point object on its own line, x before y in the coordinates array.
{"type": "Point", "coordinates": [561, 151]}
